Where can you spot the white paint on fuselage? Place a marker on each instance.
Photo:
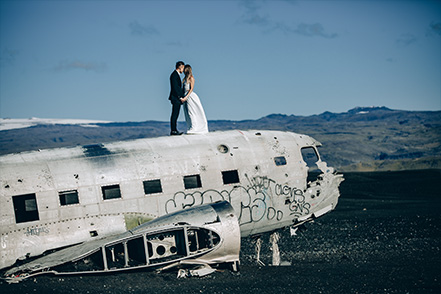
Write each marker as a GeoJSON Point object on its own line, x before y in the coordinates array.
{"type": "Point", "coordinates": [267, 196]}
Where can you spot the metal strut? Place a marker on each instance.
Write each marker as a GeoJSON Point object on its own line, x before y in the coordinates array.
{"type": "Point", "coordinates": [274, 239]}
{"type": "Point", "coordinates": [258, 241]}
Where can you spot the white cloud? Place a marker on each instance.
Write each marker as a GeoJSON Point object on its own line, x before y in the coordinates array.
{"type": "Point", "coordinates": [141, 30]}
{"type": "Point", "coordinates": [8, 56]}
{"type": "Point", "coordinates": [406, 40]}
{"type": "Point", "coordinates": [434, 29]}
{"type": "Point", "coordinates": [253, 16]}
{"type": "Point", "coordinates": [308, 30]}
{"type": "Point", "coordinates": [80, 65]}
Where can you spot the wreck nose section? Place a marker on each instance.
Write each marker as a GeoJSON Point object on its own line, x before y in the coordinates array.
{"type": "Point", "coordinates": [322, 190]}
{"type": "Point", "coordinates": [326, 191]}
{"type": "Point", "coordinates": [321, 193]}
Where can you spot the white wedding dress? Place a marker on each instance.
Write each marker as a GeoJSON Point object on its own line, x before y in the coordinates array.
{"type": "Point", "coordinates": [194, 113]}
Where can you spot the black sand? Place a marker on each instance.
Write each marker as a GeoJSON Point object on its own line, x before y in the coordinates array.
{"type": "Point", "coordinates": [383, 237]}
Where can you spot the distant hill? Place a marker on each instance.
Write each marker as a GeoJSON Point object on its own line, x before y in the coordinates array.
{"type": "Point", "coordinates": [362, 139]}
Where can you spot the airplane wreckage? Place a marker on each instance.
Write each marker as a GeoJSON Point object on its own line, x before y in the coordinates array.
{"type": "Point", "coordinates": [158, 203]}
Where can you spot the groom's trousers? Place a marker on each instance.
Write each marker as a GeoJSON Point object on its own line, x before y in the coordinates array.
{"type": "Point", "coordinates": [176, 104]}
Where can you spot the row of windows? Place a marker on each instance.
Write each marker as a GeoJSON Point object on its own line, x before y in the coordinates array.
{"type": "Point", "coordinates": [25, 206]}
{"type": "Point", "coordinates": [26, 210]}
{"type": "Point", "coordinates": [150, 187]}
{"type": "Point", "coordinates": [155, 186]}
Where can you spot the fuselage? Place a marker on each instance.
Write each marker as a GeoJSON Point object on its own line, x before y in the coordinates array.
{"type": "Point", "coordinates": [59, 197]}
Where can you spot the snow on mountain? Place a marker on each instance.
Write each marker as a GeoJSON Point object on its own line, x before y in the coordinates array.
{"type": "Point", "coordinates": [14, 123]}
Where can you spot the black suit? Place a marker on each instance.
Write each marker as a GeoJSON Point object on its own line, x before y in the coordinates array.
{"type": "Point", "coordinates": [176, 92]}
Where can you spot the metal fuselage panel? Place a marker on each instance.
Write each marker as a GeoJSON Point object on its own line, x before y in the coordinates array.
{"type": "Point", "coordinates": [202, 234]}
{"type": "Point", "coordinates": [270, 190]}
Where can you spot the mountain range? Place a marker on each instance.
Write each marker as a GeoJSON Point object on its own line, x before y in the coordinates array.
{"type": "Point", "coordinates": [361, 139]}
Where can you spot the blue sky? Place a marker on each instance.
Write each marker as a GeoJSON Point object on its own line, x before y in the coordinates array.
{"type": "Point", "coordinates": [111, 60]}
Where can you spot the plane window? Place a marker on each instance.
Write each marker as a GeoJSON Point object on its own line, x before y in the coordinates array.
{"type": "Point", "coordinates": [309, 155]}
{"type": "Point", "coordinates": [25, 208]}
{"type": "Point", "coordinates": [152, 187]}
{"type": "Point", "coordinates": [280, 160]}
{"type": "Point", "coordinates": [192, 182]}
{"type": "Point", "coordinates": [223, 148]}
{"type": "Point", "coordinates": [69, 197]}
{"type": "Point", "coordinates": [230, 177]}
{"type": "Point", "coordinates": [111, 192]}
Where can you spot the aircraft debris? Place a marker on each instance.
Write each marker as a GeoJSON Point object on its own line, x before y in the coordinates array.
{"type": "Point", "coordinates": [293, 231]}
{"type": "Point", "coordinates": [274, 239]}
{"type": "Point", "coordinates": [257, 248]}
{"type": "Point", "coordinates": [104, 203]}
{"type": "Point", "coordinates": [201, 271]}
{"type": "Point", "coordinates": [206, 234]}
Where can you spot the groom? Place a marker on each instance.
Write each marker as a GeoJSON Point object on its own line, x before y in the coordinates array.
{"type": "Point", "coordinates": [176, 92]}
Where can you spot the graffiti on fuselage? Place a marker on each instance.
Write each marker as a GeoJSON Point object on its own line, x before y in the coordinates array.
{"type": "Point", "coordinates": [36, 231]}
{"type": "Point", "coordinates": [254, 202]}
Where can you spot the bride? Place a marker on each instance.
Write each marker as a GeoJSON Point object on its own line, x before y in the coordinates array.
{"type": "Point", "coordinates": [194, 112]}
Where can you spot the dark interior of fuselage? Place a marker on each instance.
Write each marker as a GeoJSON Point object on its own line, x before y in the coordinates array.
{"type": "Point", "coordinates": [145, 250]}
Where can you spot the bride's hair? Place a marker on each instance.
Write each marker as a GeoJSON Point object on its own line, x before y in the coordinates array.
{"type": "Point", "coordinates": [188, 72]}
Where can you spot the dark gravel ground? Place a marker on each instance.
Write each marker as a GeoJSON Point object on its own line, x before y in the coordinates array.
{"type": "Point", "coordinates": [383, 237]}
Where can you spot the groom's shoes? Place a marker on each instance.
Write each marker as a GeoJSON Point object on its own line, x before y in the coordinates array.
{"type": "Point", "coordinates": [175, 133]}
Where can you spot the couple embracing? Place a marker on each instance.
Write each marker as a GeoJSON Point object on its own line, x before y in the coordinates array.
{"type": "Point", "coordinates": [182, 93]}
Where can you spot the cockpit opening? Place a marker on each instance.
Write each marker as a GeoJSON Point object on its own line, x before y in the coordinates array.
{"type": "Point", "coordinates": [311, 157]}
